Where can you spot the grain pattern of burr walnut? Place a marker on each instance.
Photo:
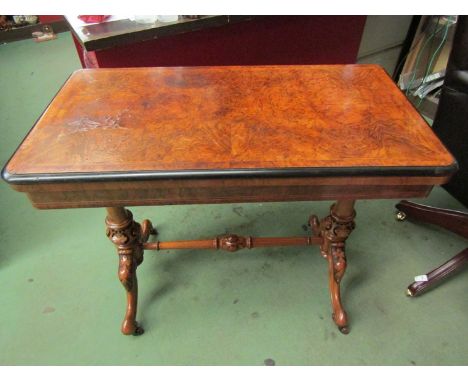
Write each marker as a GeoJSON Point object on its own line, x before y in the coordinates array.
{"type": "Point", "coordinates": [167, 136]}
{"type": "Point", "coordinates": [225, 118]}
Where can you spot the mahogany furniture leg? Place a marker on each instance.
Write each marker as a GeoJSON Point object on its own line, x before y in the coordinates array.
{"type": "Point", "coordinates": [128, 236]}
{"type": "Point", "coordinates": [454, 221]}
{"type": "Point", "coordinates": [335, 229]}
{"type": "Point", "coordinates": [438, 274]}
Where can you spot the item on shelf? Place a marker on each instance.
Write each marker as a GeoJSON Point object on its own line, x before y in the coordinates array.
{"type": "Point", "coordinates": [146, 19]}
{"type": "Point", "coordinates": [89, 19]}
{"type": "Point", "coordinates": [168, 18]}
{"type": "Point", "coordinates": [425, 89]}
{"type": "Point", "coordinates": [6, 22]}
{"type": "Point", "coordinates": [405, 79]}
{"type": "Point", "coordinates": [18, 21]}
{"type": "Point", "coordinates": [22, 20]}
{"type": "Point", "coordinates": [46, 34]}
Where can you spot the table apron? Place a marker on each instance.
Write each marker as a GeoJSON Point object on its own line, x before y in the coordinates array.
{"type": "Point", "coordinates": [82, 198]}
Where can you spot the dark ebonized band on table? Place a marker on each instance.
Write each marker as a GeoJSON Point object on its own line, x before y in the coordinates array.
{"type": "Point", "coordinates": [232, 173]}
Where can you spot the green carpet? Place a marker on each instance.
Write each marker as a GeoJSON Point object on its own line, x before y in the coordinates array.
{"type": "Point", "coordinates": [62, 303]}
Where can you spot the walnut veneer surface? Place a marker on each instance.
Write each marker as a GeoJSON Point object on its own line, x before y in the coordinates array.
{"type": "Point", "coordinates": [154, 136]}
{"type": "Point", "coordinates": [229, 118]}
{"type": "Point", "coordinates": [151, 136]}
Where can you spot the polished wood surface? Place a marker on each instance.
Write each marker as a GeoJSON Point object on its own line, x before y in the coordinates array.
{"type": "Point", "coordinates": [334, 230]}
{"type": "Point", "coordinates": [109, 34]}
{"type": "Point", "coordinates": [150, 120]}
{"type": "Point", "coordinates": [131, 239]}
{"type": "Point", "coordinates": [153, 136]}
{"type": "Point", "coordinates": [141, 193]}
{"type": "Point", "coordinates": [452, 220]}
{"type": "Point", "coordinates": [232, 190]}
{"type": "Point", "coordinates": [456, 263]}
{"type": "Point", "coordinates": [233, 243]}
{"type": "Point", "coordinates": [128, 236]}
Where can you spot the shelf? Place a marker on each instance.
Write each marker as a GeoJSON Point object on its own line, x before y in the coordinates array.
{"type": "Point", "coordinates": [25, 33]}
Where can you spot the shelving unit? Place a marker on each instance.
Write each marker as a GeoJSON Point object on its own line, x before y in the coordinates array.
{"type": "Point", "coordinates": [426, 62]}
{"type": "Point", "coordinates": [25, 32]}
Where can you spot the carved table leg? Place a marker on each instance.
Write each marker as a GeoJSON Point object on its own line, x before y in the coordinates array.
{"type": "Point", "coordinates": [128, 236]}
{"type": "Point", "coordinates": [335, 229]}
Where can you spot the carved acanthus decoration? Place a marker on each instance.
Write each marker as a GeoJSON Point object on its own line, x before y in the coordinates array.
{"type": "Point", "coordinates": [128, 237]}
{"type": "Point", "coordinates": [334, 228]}
{"type": "Point", "coordinates": [126, 271]}
{"type": "Point", "coordinates": [339, 261]}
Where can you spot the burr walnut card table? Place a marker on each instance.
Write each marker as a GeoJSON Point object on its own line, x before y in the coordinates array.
{"type": "Point", "coordinates": [166, 136]}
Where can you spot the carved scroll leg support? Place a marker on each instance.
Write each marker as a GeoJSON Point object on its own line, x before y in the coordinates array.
{"type": "Point", "coordinates": [336, 268]}
{"type": "Point", "coordinates": [128, 236]}
{"type": "Point", "coordinates": [335, 229]}
{"type": "Point", "coordinates": [127, 276]}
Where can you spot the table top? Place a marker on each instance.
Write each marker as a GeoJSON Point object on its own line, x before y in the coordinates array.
{"type": "Point", "coordinates": [186, 122]}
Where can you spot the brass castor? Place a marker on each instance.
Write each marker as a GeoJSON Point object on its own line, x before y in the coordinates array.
{"type": "Point", "coordinates": [400, 216]}
{"type": "Point", "coordinates": [344, 329]}
{"type": "Point", "coordinates": [138, 330]}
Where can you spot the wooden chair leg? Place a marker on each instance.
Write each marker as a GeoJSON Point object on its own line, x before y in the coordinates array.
{"type": "Point", "coordinates": [455, 263]}
{"type": "Point", "coordinates": [454, 221]}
